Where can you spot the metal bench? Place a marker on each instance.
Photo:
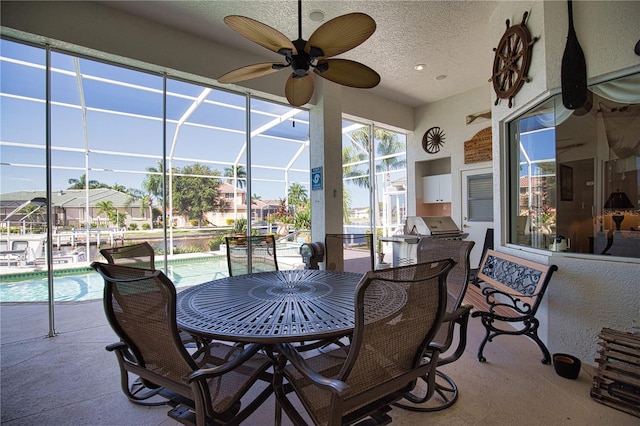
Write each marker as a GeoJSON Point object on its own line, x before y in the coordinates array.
{"type": "Point", "coordinates": [510, 291]}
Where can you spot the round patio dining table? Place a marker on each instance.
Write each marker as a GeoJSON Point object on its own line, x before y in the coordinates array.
{"type": "Point", "coordinates": [277, 306]}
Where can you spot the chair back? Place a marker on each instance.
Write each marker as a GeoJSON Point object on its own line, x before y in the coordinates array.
{"type": "Point", "coordinates": [349, 252]}
{"type": "Point", "coordinates": [262, 249]}
{"type": "Point", "coordinates": [140, 305]}
{"type": "Point", "coordinates": [134, 255]}
{"type": "Point", "coordinates": [430, 249]}
{"type": "Point", "coordinates": [413, 300]}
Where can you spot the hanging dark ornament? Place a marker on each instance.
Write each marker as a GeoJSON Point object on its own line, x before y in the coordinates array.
{"type": "Point", "coordinates": [573, 74]}
{"type": "Point", "coordinates": [433, 140]}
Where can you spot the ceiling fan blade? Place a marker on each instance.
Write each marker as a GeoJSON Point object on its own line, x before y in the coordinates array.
{"type": "Point", "coordinates": [260, 33]}
{"type": "Point", "coordinates": [341, 34]}
{"type": "Point", "coordinates": [348, 73]}
{"type": "Point", "coordinates": [299, 89]}
{"type": "Point", "coordinates": [250, 71]}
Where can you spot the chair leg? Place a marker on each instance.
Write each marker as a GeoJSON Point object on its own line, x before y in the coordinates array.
{"type": "Point", "coordinates": [282, 402]}
{"type": "Point", "coordinates": [138, 393]}
{"type": "Point", "coordinates": [445, 388]}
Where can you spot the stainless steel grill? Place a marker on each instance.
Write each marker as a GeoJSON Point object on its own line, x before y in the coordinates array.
{"type": "Point", "coordinates": [418, 227]}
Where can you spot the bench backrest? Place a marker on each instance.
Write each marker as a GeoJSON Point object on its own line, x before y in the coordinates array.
{"type": "Point", "coordinates": [519, 277]}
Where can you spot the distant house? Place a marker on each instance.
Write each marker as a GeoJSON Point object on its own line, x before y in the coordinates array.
{"type": "Point", "coordinates": [236, 204]}
{"type": "Point", "coordinates": [69, 207]}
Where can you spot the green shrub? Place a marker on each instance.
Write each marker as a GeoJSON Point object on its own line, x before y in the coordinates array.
{"type": "Point", "coordinates": [146, 226]}
{"type": "Point", "coordinates": [240, 226]}
{"type": "Point", "coordinates": [133, 226]}
{"type": "Point", "coordinates": [214, 244]}
{"type": "Point", "coordinates": [186, 249]}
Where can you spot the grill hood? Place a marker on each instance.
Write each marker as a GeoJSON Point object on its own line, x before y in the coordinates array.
{"type": "Point", "coordinates": [431, 225]}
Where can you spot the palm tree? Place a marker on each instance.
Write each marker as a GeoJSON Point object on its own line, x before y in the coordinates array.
{"type": "Point", "coordinates": [153, 183]}
{"type": "Point", "coordinates": [388, 146]}
{"type": "Point", "coordinates": [119, 188]}
{"type": "Point", "coordinates": [352, 161]}
{"type": "Point", "coordinates": [238, 173]}
{"type": "Point", "coordinates": [105, 207]}
{"type": "Point", "coordinates": [346, 205]}
{"type": "Point", "coordinates": [145, 203]}
{"type": "Point", "coordinates": [387, 159]}
{"type": "Point", "coordinates": [81, 183]}
{"type": "Point", "coordinates": [297, 195]}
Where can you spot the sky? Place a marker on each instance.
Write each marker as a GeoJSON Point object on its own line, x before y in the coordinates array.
{"type": "Point", "coordinates": [110, 120]}
{"type": "Point", "coordinates": [124, 125]}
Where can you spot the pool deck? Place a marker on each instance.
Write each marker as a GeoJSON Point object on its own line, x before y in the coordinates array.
{"type": "Point", "coordinates": [70, 379]}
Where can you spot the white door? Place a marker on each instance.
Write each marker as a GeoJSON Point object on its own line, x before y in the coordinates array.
{"type": "Point", "coordinates": [477, 209]}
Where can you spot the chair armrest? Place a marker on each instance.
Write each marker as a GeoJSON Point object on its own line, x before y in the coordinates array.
{"type": "Point", "coordinates": [239, 359]}
{"type": "Point", "coordinates": [123, 349]}
{"type": "Point", "coordinates": [116, 346]}
{"type": "Point", "coordinates": [458, 313]}
{"type": "Point", "coordinates": [335, 386]}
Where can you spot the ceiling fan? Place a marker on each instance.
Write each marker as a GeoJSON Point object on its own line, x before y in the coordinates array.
{"type": "Point", "coordinates": [332, 38]}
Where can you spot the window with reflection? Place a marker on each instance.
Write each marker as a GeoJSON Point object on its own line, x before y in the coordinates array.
{"type": "Point", "coordinates": [574, 181]}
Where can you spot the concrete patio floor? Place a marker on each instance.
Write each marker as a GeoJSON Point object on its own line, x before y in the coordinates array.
{"type": "Point", "coordinates": [71, 379]}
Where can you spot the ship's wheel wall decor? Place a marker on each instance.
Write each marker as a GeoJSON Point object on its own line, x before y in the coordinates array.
{"type": "Point", "coordinates": [433, 140]}
{"type": "Point", "coordinates": [511, 61]}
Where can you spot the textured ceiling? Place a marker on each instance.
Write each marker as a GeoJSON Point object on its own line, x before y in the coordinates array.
{"type": "Point", "coordinates": [451, 37]}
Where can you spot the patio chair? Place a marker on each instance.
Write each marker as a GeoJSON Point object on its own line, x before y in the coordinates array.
{"type": "Point", "coordinates": [138, 255]}
{"type": "Point", "coordinates": [349, 252]}
{"type": "Point", "coordinates": [384, 358]}
{"type": "Point", "coordinates": [207, 385]}
{"type": "Point", "coordinates": [141, 256]}
{"type": "Point", "coordinates": [446, 391]}
{"type": "Point", "coordinates": [263, 254]}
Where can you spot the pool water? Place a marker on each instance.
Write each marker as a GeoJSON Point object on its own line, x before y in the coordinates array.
{"type": "Point", "coordinates": [89, 285]}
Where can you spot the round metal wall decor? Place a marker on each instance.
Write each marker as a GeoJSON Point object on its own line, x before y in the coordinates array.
{"type": "Point", "coordinates": [511, 61]}
{"type": "Point", "coordinates": [433, 140]}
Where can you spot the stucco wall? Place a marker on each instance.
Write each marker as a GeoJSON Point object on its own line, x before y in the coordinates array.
{"type": "Point", "coordinates": [449, 115]}
{"type": "Point", "coordinates": [593, 292]}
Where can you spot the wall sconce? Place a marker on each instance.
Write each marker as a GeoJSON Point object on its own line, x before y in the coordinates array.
{"type": "Point", "coordinates": [618, 201]}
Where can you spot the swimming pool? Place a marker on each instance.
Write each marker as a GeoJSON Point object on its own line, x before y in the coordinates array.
{"type": "Point", "coordinates": [88, 285]}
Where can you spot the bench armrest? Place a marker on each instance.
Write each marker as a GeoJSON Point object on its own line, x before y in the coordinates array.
{"type": "Point", "coordinates": [488, 290]}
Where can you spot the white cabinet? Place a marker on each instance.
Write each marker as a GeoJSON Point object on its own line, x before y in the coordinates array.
{"type": "Point", "coordinates": [436, 189]}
